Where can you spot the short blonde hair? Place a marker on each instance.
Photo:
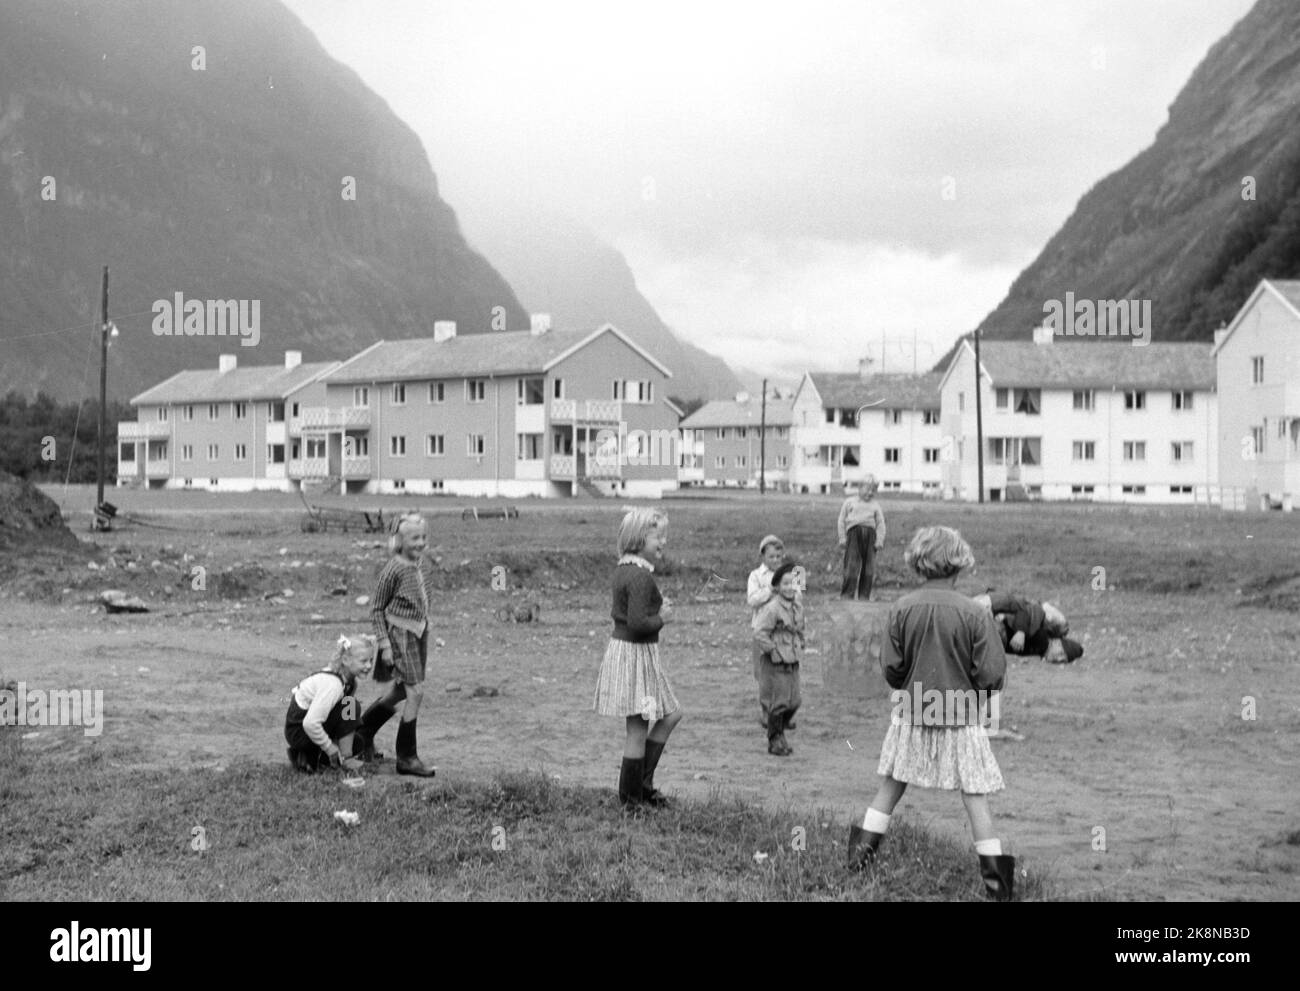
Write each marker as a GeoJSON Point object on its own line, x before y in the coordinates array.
{"type": "Point", "coordinates": [869, 486]}
{"type": "Point", "coordinates": [364, 643]}
{"type": "Point", "coordinates": [396, 542]}
{"type": "Point", "coordinates": [938, 552]}
{"type": "Point", "coordinates": [636, 524]}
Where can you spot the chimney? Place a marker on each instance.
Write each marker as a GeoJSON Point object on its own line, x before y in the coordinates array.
{"type": "Point", "coordinates": [1043, 335]}
{"type": "Point", "coordinates": [742, 398]}
{"type": "Point", "coordinates": [443, 330]}
{"type": "Point", "coordinates": [292, 359]}
{"type": "Point", "coordinates": [1219, 335]}
{"type": "Point", "coordinates": [226, 363]}
{"type": "Point", "coordinates": [864, 368]}
{"type": "Point", "coordinates": [539, 323]}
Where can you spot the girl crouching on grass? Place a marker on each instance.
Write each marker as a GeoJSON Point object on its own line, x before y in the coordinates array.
{"type": "Point", "coordinates": [940, 641]}
{"type": "Point", "coordinates": [322, 712]}
{"type": "Point", "coordinates": [399, 610]}
{"type": "Point", "coordinates": [632, 682]}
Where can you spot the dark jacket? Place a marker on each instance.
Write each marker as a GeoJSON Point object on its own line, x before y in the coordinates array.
{"type": "Point", "coordinates": [636, 605]}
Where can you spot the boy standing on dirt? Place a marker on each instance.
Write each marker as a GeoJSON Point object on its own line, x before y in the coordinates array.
{"type": "Point", "coordinates": [862, 532]}
{"type": "Point", "coordinates": [779, 638]}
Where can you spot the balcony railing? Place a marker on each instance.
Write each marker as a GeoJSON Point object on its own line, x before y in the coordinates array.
{"type": "Point", "coordinates": [158, 469]}
{"type": "Point", "coordinates": [587, 410]}
{"type": "Point", "coordinates": [309, 468]}
{"type": "Point", "coordinates": [132, 430]}
{"type": "Point", "coordinates": [563, 465]}
{"type": "Point", "coordinates": [356, 467]}
{"type": "Point", "coordinates": [330, 418]}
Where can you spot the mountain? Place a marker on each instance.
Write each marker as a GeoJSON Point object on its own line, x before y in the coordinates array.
{"type": "Point", "coordinates": [1178, 225]}
{"type": "Point", "coordinates": [560, 267]}
{"type": "Point", "coordinates": [206, 149]}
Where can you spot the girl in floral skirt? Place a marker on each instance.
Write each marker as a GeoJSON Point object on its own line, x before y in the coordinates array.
{"type": "Point", "coordinates": [943, 657]}
{"type": "Point", "coordinates": [633, 683]}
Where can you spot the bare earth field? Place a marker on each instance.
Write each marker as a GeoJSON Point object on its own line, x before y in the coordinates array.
{"type": "Point", "coordinates": [1143, 738]}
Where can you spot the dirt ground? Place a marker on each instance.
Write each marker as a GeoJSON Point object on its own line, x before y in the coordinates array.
{"type": "Point", "coordinates": [1140, 747]}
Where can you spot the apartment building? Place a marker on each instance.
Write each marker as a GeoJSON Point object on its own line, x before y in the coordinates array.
{"type": "Point", "coordinates": [724, 444]}
{"type": "Point", "coordinates": [1098, 420]}
{"type": "Point", "coordinates": [222, 429]}
{"type": "Point", "coordinates": [1257, 363]}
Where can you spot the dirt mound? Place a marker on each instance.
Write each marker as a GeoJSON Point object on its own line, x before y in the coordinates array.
{"type": "Point", "coordinates": [29, 518]}
{"type": "Point", "coordinates": [1280, 592]}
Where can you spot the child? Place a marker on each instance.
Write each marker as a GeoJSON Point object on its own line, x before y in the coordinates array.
{"type": "Point", "coordinates": [862, 533]}
{"type": "Point", "coordinates": [771, 553]}
{"type": "Point", "coordinates": [399, 610]}
{"type": "Point", "coordinates": [779, 637]}
{"type": "Point", "coordinates": [632, 682]}
{"type": "Point", "coordinates": [322, 709]}
{"type": "Point", "coordinates": [940, 641]}
{"type": "Point", "coordinates": [1029, 627]}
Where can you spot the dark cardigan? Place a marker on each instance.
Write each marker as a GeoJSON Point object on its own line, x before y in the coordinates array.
{"type": "Point", "coordinates": [636, 605]}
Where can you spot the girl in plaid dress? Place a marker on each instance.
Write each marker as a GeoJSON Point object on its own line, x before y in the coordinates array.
{"type": "Point", "coordinates": [632, 682]}
{"type": "Point", "coordinates": [399, 610]}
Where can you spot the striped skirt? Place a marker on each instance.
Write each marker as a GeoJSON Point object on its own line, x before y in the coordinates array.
{"type": "Point", "coordinates": [633, 682]}
{"type": "Point", "coordinates": [410, 655]}
{"type": "Point", "coordinates": [950, 757]}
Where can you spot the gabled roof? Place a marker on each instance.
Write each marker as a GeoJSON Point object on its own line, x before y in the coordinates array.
{"type": "Point", "coordinates": [253, 383]}
{"type": "Point", "coordinates": [1287, 292]}
{"type": "Point", "coordinates": [848, 390]}
{"type": "Point", "coordinates": [473, 355]}
{"type": "Point", "coordinates": [729, 413]}
{"type": "Point", "coordinates": [1094, 365]}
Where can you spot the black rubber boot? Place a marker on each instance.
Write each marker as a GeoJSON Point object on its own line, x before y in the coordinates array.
{"type": "Point", "coordinates": [999, 875]}
{"type": "Point", "coordinates": [776, 744]}
{"type": "Point", "coordinates": [631, 781]}
{"type": "Point", "coordinates": [408, 761]}
{"type": "Point", "coordinates": [372, 720]}
{"type": "Point", "coordinates": [862, 847]}
{"type": "Point", "coordinates": [649, 793]}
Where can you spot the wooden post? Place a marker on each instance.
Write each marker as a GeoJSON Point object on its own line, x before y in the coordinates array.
{"type": "Point", "coordinates": [762, 444]}
{"type": "Point", "coordinates": [103, 392]}
{"type": "Point", "coordinates": [979, 417]}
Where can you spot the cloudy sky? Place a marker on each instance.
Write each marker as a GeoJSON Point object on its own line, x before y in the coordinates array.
{"type": "Point", "coordinates": [795, 183]}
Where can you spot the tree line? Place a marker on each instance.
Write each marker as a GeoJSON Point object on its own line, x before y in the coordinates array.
{"type": "Point", "coordinates": [39, 437]}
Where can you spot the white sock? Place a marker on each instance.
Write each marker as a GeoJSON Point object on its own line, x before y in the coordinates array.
{"type": "Point", "coordinates": [875, 821]}
{"type": "Point", "coordinates": [988, 848]}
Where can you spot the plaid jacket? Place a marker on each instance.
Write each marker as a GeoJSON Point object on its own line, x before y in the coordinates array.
{"type": "Point", "coordinates": [404, 589]}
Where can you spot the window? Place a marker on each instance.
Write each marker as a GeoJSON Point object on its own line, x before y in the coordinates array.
{"type": "Point", "coordinates": [275, 412]}
{"type": "Point", "coordinates": [930, 417]}
{"type": "Point", "coordinates": [126, 453]}
{"type": "Point", "coordinates": [275, 454]}
{"type": "Point", "coordinates": [558, 390]}
{"type": "Point", "coordinates": [187, 452]}
{"type": "Point", "coordinates": [1082, 490]}
{"type": "Point", "coordinates": [293, 451]}
{"type": "Point", "coordinates": [187, 414]}
{"type": "Point", "coordinates": [1180, 451]}
{"type": "Point", "coordinates": [781, 432]}
{"type": "Point", "coordinates": [645, 392]}
{"type": "Point", "coordinates": [530, 392]}
{"type": "Point", "coordinates": [214, 411]}
{"type": "Point", "coordinates": [742, 433]}
{"type": "Point", "coordinates": [719, 462]}
{"type": "Point", "coordinates": [475, 390]}
{"type": "Point", "coordinates": [361, 396]}
{"type": "Point", "coordinates": [435, 446]}
{"type": "Point", "coordinates": [1135, 450]}
{"type": "Point", "coordinates": [893, 455]}
{"type": "Point", "coordinates": [961, 402]}
{"type": "Point", "coordinates": [241, 411]}
{"type": "Point", "coordinates": [1182, 400]}
{"type": "Point", "coordinates": [1015, 450]}
{"type": "Point", "coordinates": [295, 410]}
{"type": "Point", "coordinates": [399, 485]}
{"type": "Point", "coordinates": [1281, 428]}
{"type": "Point", "coordinates": [162, 414]}
{"type": "Point", "coordinates": [475, 445]}
{"type": "Point", "coordinates": [213, 452]}
{"type": "Point", "coordinates": [1001, 397]}
{"type": "Point", "coordinates": [356, 446]}
{"type": "Point", "coordinates": [742, 461]}
{"type": "Point", "coordinates": [782, 461]}
{"type": "Point", "coordinates": [893, 417]}
{"type": "Point", "coordinates": [1084, 399]}
{"type": "Point", "coordinates": [1085, 450]}
{"type": "Point", "coordinates": [397, 446]}
{"type": "Point", "coordinates": [891, 486]}
{"type": "Point", "coordinates": [930, 455]}
{"type": "Point", "coordinates": [1257, 440]}
{"type": "Point", "coordinates": [720, 433]}
{"type": "Point", "coordinates": [528, 447]}
{"type": "Point", "coordinates": [1135, 490]}
{"type": "Point", "coordinates": [1134, 399]}
{"type": "Point", "coordinates": [399, 394]}
{"type": "Point", "coordinates": [1180, 490]}
{"type": "Point", "coordinates": [316, 447]}
{"type": "Point", "coordinates": [436, 484]}
{"type": "Point", "coordinates": [437, 392]}
{"type": "Point", "coordinates": [1257, 370]}
{"type": "Point", "coordinates": [1028, 401]}
{"type": "Point", "coordinates": [241, 452]}
{"type": "Point", "coordinates": [618, 390]}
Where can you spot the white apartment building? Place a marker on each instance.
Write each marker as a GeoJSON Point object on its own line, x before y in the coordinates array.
{"type": "Point", "coordinates": [847, 425]}
{"type": "Point", "coordinates": [723, 443]}
{"type": "Point", "coordinates": [1086, 420]}
{"type": "Point", "coordinates": [1257, 360]}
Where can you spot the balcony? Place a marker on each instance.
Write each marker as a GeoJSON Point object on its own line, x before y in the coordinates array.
{"type": "Point", "coordinates": [563, 465]}
{"type": "Point", "coordinates": [158, 469]}
{"type": "Point", "coordinates": [355, 467]}
{"type": "Point", "coordinates": [587, 410]}
{"type": "Point", "coordinates": [131, 430]}
{"type": "Point", "coordinates": [309, 468]}
{"type": "Point", "coordinates": [693, 474]}
{"type": "Point", "coordinates": [330, 418]}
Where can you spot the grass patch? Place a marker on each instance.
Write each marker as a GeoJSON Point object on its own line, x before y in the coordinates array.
{"type": "Point", "coordinates": [79, 827]}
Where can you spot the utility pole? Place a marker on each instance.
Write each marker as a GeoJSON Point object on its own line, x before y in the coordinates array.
{"type": "Point", "coordinates": [762, 443]}
{"type": "Point", "coordinates": [979, 417]}
{"type": "Point", "coordinates": [103, 389]}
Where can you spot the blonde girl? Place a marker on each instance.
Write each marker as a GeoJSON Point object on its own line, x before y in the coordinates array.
{"type": "Point", "coordinates": [322, 712]}
{"type": "Point", "coordinates": [633, 683]}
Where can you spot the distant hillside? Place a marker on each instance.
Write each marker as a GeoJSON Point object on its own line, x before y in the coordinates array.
{"type": "Point", "coordinates": [223, 183]}
{"type": "Point", "coordinates": [560, 267]}
{"type": "Point", "coordinates": [1172, 225]}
